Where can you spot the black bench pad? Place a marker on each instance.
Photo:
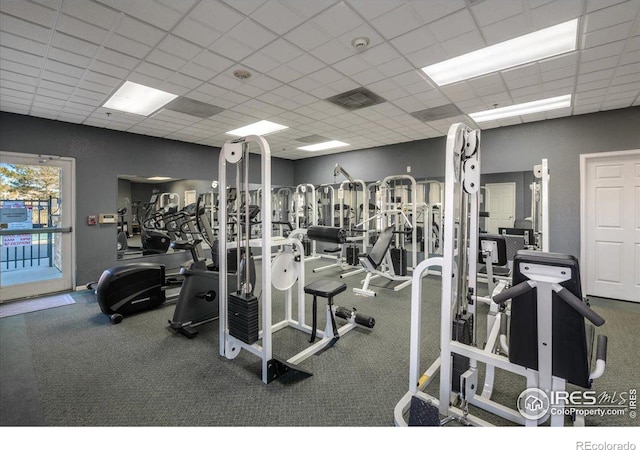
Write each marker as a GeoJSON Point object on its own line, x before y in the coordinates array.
{"type": "Point", "coordinates": [325, 288]}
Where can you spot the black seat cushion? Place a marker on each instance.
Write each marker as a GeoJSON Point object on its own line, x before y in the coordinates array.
{"type": "Point", "coordinates": [380, 248]}
{"type": "Point", "coordinates": [325, 288]}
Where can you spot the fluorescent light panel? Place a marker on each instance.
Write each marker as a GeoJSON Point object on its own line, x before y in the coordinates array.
{"type": "Point", "coordinates": [548, 104]}
{"type": "Point", "coordinates": [158, 178]}
{"type": "Point", "coordinates": [534, 46]}
{"type": "Point", "coordinates": [323, 146]}
{"type": "Point", "coordinates": [261, 128]}
{"type": "Point", "coordinates": [138, 99]}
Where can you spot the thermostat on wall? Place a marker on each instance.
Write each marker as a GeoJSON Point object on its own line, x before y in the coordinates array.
{"type": "Point", "coordinates": [107, 218]}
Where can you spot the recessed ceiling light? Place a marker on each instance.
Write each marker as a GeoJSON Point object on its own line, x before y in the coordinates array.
{"type": "Point", "coordinates": [534, 46]}
{"type": "Point", "coordinates": [323, 146]}
{"type": "Point", "coordinates": [138, 99]}
{"type": "Point", "coordinates": [261, 128]}
{"type": "Point", "coordinates": [548, 104]}
{"type": "Point", "coordinates": [158, 178]}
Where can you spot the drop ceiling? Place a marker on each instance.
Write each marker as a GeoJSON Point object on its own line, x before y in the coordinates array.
{"type": "Point", "coordinates": [61, 59]}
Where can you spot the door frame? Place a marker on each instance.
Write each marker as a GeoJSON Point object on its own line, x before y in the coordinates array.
{"type": "Point", "coordinates": [488, 197]}
{"type": "Point", "coordinates": [68, 184]}
{"type": "Point", "coordinates": [585, 158]}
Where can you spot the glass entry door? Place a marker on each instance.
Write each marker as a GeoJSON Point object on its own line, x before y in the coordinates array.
{"type": "Point", "coordinates": [36, 216]}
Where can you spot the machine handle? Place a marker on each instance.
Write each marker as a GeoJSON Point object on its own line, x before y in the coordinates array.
{"type": "Point", "coordinates": [514, 291]}
{"type": "Point", "coordinates": [579, 305]}
{"type": "Point", "coordinates": [601, 353]}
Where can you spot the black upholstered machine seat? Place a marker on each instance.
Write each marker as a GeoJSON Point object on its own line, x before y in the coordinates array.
{"type": "Point", "coordinates": [325, 288]}
{"type": "Point", "coordinates": [372, 260]}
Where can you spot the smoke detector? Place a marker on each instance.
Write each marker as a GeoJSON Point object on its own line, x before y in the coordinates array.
{"type": "Point", "coordinates": [242, 74]}
{"type": "Point", "coordinates": [360, 43]}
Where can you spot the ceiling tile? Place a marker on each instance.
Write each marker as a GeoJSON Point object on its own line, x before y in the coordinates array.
{"type": "Point", "coordinates": [64, 69]}
{"type": "Point", "coordinates": [165, 59]}
{"type": "Point", "coordinates": [396, 22]}
{"type": "Point", "coordinates": [281, 51]}
{"type": "Point", "coordinates": [24, 29]}
{"type": "Point", "coordinates": [251, 34]}
{"type": "Point", "coordinates": [153, 70]}
{"type": "Point", "coordinates": [338, 20]}
{"type": "Point", "coordinates": [380, 54]}
{"type": "Point", "coordinates": [128, 46]}
{"type": "Point", "coordinates": [117, 59]}
{"type": "Point", "coordinates": [284, 74]}
{"type": "Point", "coordinates": [490, 11]}
{"type": "Point", "coordinates": [332, 52]}
{"type": "Point", "coordinates": [23, 58]}
{"type": "Point", "coordinates": [22, 44]}
{"type": "Point", "coordinates": [153, 13]}
{"type": "Point", "coordinates": [30, 11]}
{"type": "Point", "coordinates": [598, 64]}
{"type": "Point", "coordinates": [307, 36]}
{"type": "Point", "coordinates": [453, 25]}
{"type": "Point", "coordinates": [606, 35]}
{"type": "Point", "coordinates": [245, 6]}
{"type": "Point", "coordinates": [556, 12]}
{"type": "Point", "coordinates": [464, 43]}
{"type": "Point", "coordinates": [305, 64]}
{"type": "Point", "coordinates": [139, 31]}
{"type": "Point", "coordinates": [91, 12]}
{"type": "Point", "coordinates": [196, 32]}
{"type": "Point", "coordinates": [80, 29]}
{"type": "Point", "coordinates": [74, 59]}
{"type": "Point", "coordinates": [414, 40]}
{"type": "Point", "coordinates": [351, 65]}
{"type": "Point", "coordinates": [506, 29]}
{"type": "Point", "coordinates": [72, 44]}
{"type": "Point", "coordinates": [424, 57]}
{"type": "Point", "coordinates": [11, 66]}
{"type": "Point", "coordinates": [602, 51]}
{"type": "Point", "coordinates": [179, 47]}
{"type": "Point", "coordinates": [277, 17]}
{"type": "Point", "coordinates": [231, 48]}
{"type": "Point", "coordinates": [611, 16]}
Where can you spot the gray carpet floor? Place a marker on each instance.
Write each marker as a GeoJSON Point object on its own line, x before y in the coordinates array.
{"type": "Point", "coordinates": [69, 366]}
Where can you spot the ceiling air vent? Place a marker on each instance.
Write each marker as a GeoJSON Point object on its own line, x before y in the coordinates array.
{"type": "Point", "coordinates": [356, 99]}
{"type": "Point", "coordinates": [437, 113]}
{"type": "Point", "coordinates": [193, 107]}
{"type": "Point", "coordinates": [313, 139]}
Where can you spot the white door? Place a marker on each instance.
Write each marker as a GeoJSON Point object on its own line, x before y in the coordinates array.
{"type": "Point", "coordinates": [501, 205]}
{"type": "Point", "coordinates": [36, 217]}
{"type": "Point", "coordinates": [610, 192]}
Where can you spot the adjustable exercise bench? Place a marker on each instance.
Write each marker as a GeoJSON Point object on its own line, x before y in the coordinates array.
{"type": "Point", "coordinates": [374, 259]}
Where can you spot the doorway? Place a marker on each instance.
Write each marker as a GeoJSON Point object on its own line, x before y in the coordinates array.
{"type": "Point", "coordinates": [610, 224]}
{"type": "Point", "coordinates": [501, 204]}
{"type": "Point", "coordinates": [37, 210]}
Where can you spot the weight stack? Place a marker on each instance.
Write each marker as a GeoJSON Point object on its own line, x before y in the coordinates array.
{"type": "Point", "coordinates": [399, 259]}
{"type": "Point", "coordinates": [243, 317]}
{"type": "Point", "coordinates": [352, 255]}
{"type": "Point", "coordinates": [462, 332]}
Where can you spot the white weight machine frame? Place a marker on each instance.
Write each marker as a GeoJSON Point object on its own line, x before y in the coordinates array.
{"type": "Point", "coordinates": [540, 205]}
{"type": "Point", "coordinates": [233, 152]}
{"type": "Point", "coordinates": [302, 191]}
{"type": "Point", "coordinates": [388, 208]}
{"type": "Point", "coordinates": [460, 253]}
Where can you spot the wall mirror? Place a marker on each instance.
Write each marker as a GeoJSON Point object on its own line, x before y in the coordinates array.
{"type": "Point", "coordinates": [141, 204]}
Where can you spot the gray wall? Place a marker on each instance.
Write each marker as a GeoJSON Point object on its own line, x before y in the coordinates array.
{"type": "Point", "coordinates": [101, 155]}
{"type": "Point", "coordinates": [508, 149]}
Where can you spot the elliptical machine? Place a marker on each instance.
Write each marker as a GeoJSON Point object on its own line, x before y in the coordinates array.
{"type": "Point", "coordinates": [198, 302]}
